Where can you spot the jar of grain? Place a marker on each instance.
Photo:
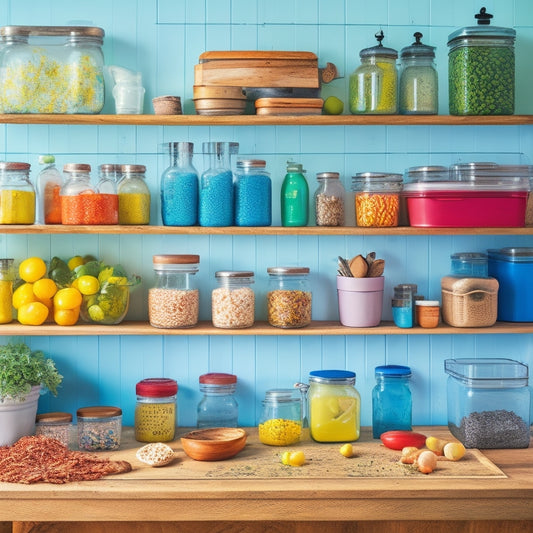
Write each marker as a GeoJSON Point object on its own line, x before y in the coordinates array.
{"type": "Point", "coordinates": [17, 195]}
{"type": "Point", "coordinates": [329, 200]}
{"type": "Point", "coordinates": [133, 196]}
{"type": "Point", "coordinates": [218, 407]}
{"type": "Point", "coordinates": [99, 428]}
{"type": "Point", "coordinates": [233, 301]}
{"type": "Point", "coordinates": [174, 300]}
{"type": "Point", "coordinates": [54, 425]}
{"type": "Point", "coordinates": [281, 418]}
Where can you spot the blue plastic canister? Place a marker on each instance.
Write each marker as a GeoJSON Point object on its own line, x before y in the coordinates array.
{"type": "Point", "coordinates": [513, 268]}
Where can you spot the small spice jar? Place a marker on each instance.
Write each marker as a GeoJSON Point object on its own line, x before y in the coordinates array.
{"type": "Point", "coordinates": [174, 300]}
{"type": "Point", "coordinates": [218, 407]}
{"type": "Point", "coordinates": [78, 196]}
{"type": "Point", "coordinates": [7, 277]}
{"type": "Point", "coordinates": [54, 425]}
{"type": "Point", "coordinates": [233, 301]}
{"type": "Point", "coordinates": [281, 418]}
{"type": "Point", "coordinates": [427, 313]}
{"type": "Point", "coordinates": [133, 196]}
{"type": "Point", "coordinates": [17, 195]}
{"type": "Point", "coordinates": [106, 189]}
{"type": "Point", "coordinates": [99, 428]}
{"type": "Point", "coordinates": [289, 297]}
{"type": "Point", "coordinates": [253, 193]}
{"type": "Point", "coordinates": [329, 200]}
{"type": "Point", "coordinates": [155, 410]}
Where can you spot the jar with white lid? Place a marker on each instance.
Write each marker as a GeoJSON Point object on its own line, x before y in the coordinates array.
{"type": "Point", "coordinates": [281, 417]}
{"type": "Point", "coordinates": [329, 200]}
{"type": "Point", "coordinates": [253, 193]}
{"type": "Point", "coordinates": [99, 428]}
{"type": "Point", "coordinates": [17, 194]}
{"type": "Point", "coordinates": [218, 407]}
{"type": "Point", "coordinates": [54, 425]}
{"type": "Point", "coordinates": [173, 302]}
{"type": "Point", "coordinates": [233, 301]}
{"type": "Point", "coordinates": [133, 196]}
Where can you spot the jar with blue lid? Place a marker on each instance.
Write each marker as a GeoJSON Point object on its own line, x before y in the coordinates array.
{"type": "Point", "coordinates": [253, 193]}
{"type": "Point", "coordinates": [391, 399]}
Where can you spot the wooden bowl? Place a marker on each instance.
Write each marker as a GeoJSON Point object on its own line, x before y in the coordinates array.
{"type": "Point", "coordinates": [213, 444]}
{"type": "Point", "coordinates": [220, 106]}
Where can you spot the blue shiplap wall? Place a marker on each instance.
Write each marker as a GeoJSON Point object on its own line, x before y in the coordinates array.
{"type": "Point", "coordinates": [163, 39]}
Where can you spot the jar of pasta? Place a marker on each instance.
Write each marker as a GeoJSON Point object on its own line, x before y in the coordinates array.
{"type": "Point", "coordinates": [17, 195]}
{"type": "Point", "coordinates": [233, 301]}
{"type": "Point", "coordinates": [133, 196]}
{"type": "Point", "coordinates": [281, 418]}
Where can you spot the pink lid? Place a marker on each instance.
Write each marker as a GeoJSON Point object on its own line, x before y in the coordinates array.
{"type": "Point", "coordinates": [157, 387]}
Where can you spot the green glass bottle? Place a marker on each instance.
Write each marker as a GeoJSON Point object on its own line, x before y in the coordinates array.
{"type": "Point", "coordinates": [294, 197]}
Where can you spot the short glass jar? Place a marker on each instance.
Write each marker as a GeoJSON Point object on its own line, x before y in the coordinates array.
{"type": "Point", "coordinates": [99, 428]}
{"type": "Point", "coordinates": [289, 297]}
{"type": "Point", "coordinates": [7, 278]}
{"type": "Point", "coordinates": [155, 410]}
{"type": "Point", "coordinates": [173, 302]}
{"type": "Point", "coordinates": [17, 194]}
{"type": "Point", "coordinates": [218, 407]}
{"type": "Point", "coordinates": [54, 425]}
{"type": "Point", "coordinates": [78, 196]}
{"type": "Point", "coordinates": [133, 196]}
{"type": "Point", "coordinates": [233, 301]}
{"type": "Point", "coordinates": [253, 193]}
{"type": "Point", "coordinates": [329, 200]}
{"type": "Point", "coordinates": [470, 264]}
{"type": "Point", "coordinates": [281, 417]}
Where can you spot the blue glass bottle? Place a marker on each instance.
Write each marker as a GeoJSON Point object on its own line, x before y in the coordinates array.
{"type": "Point", "coordinates": [253, 194]}
{"type": "Point", "coordinates": [391, 399]}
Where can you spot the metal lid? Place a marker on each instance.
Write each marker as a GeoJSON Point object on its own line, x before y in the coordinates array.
{"type": "Point", "coordinates": [99, 411]}
{"type": "Point", "coordinates": [377, 181]}
{"type": "Point", "coordinates": [518, 254]}
{"type": "Point", "coordinates": [76, 167]}
{"type": "Point", "coordinates": [217, 378]}
{"type": "Point", "coordinates": [288, 271]}
{"type": "Point", "coordinates": [393, 371]}
{"type": "Point", "coordinates": [220, 148]}
{"type": "Point", "coordinates": [251, 163]}
{"type": "Point", "coordinates": [234, 274]}
{"type": "Point", "coordinates": [332, 377]}
{"type": "Point", "coordinates": [157, 387]}
{"type": "Point", "coordinates": [176, 259]}
{"type": "Point", "coordinates": [110, 168]}
{"type": "Point", "coordinates": [8, 165]}
{"type": "Point", "coordinates": [482, 30]}
{"type": "Point", "coordinates": [184, 147]}
{"type": "Point", "coordinates": [379, 50]}
{"type": "Point", "coordinates": [133, 169]}
{"type": "Point", "coordinates": [53, 31]}
{"type": "Point", "coordinates": [327, 175]}
{"type": "Point", "coordinates": [417, 49]}
{"type": "Point", "coordinates": [427, 173]}
{"type": "Point", "coordinates": [53, 418]}
{"type": "Point", "coordinates": [470, 257]}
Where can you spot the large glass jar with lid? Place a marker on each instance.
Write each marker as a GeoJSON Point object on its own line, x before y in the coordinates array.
{"type": "Point", "coordinates": [133, 196]}
{"type": "Point", "coordinates": [17, 195]}
{"type": "Point", "coordinates": [78, 196]}
{"type": "Point", "coordinates": [329, 200]}
{"type": "Point", "coordinates": [281, 417]}
{"type": "Point", "coordinates": [218, 407]}
{"type": "Point", "coordinates": [253, 193]}
{"type": "Point", "coordinates": [233, 300]}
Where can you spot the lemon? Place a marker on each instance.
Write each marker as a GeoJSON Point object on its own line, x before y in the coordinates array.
{"type": "Point", "coordinates": [88, 285]}
{"type": "Point", "coordinates": [32, 313]}
{"type": "Point", "coordinates": [333, 106]}
{"type": "Point", "coordinates": [296, 458]}
{"type": "Point", "coordinates": [44, 288]}
{"type": "Point", "coordinates": [66, 317]}
{"type": "Point", "coordinates": [346, 450]}
{"type": "Point", "coordinates": [96, 313]}
{"type": "Point", "coordinates": [23, 295]}
{"type": "Point", "coordinates": [75, 261]}
{"type": "Point", "coordinates": [32, 269]}
{"type": "Point", "coordinates": [285, 458]}
{"type": "Point", "coordinates": [67, 298]}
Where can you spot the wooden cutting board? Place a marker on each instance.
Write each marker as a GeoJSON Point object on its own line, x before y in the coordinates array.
{"type": "Point", "coordinates": [289, 106]}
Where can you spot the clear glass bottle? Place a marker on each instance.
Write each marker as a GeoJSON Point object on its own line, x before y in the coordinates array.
{"type": "Point", "coordinates": [329, 200]}
{"type": "Point", "coordinates": [218, 407]}
{"type": "Point", "coordinates": [179, 187]}
{"type": "Point", "coordinates": [7, 277]}
{"type": "Point", "coordinates": [253, 193]}
{"type": "Point", "coordinates": [173, 302]}
{"type": "Point", "coordinates": [233, 301]}
{"type": "Point", "coordinates": [17, 195]}
{"type": "Point", "coordinates": [78, 195]}
{"type": "Point", "coordinates": [48, 183]}
{"type": "Point", "coordinates": [99, 428]}
{"type": "Point", "coordinates": [280, 423]}
{"type": "Point", "coordinates": [133, 196]}
{"type": "Point", "coordinates": [391, 399]}
{"type": "Point", "coordinates": [106, 190]}
{"type": "Point", "coordinates": [55, 425]}
{"type": "Point", "coordinates": [294, 197]}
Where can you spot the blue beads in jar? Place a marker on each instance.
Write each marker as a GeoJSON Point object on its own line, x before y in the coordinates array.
{"type": "Point", "coordinates": [253, 194]}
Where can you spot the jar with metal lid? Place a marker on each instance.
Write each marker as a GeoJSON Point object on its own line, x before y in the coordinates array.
{"type": "Point", "coordinates": [294, 196]}
{"type": "Point", "coordinates": [481, 69]}
{"type": "Point", "coordinates": [377, 198]}
{"type": "Point", "coordinates": [7, 277]}
{"type": "Point", "coordinates": [289, 297]}
{"type": "Point", "coordinates": [253, 193]}
{"type": "Point", "coordinates": [329, 200]}
{"type": "Point", "coordinates": [281, 417]}
{"type": "Point", "coordinates": [418, 79]}
{"type": "Point", "coordinates": [233, 301]}
{"type": "Point", "coordinates": [48, 184]}
{"type": "Point", "coordinates": [51, 69]}
{"type": "Point", "coordinates": [374, 84]}
{"type": "Point", "coordinates": [334, 406]}
{"type": "Point", "coordinates": [78, 196]}
{"type": "Point", "coordinates": [391, 399]}
{"type": "Point", "coordinates": [179, 186]}
{"type": "Point", "coordinates": [106, 190]}
{"type": "Point", "coordinates": [155, 410]}
{"type": "Point", "coordinates": [133, 196]}
{"type": "Point", "coordinates": [218, 407]}
{"type": "Point", "coordinates": [99, 428]}
{"type": "Point", "coordinates": [17, 195]}
{"type": "Point", "coordinates": [173, 302]}
{"type": "Point", "coordinates": [54, 425]}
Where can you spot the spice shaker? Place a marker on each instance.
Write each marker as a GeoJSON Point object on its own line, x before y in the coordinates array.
{"type": "Point", "coordinates": [55, 425]}
{"type": "Point", "coordinates": [233, 301]}
{"type": "Point", "coordinates": [17, 195]}
{"type": "Point", "coordinates": [99, 428]}
{"type": "Point", "coordinates": [329, 200]}
{"type": "Point", "coordinates": [133, 196]}
{"type": "Point", "coordinates": [218, 407]}
{"type": "Point", "coordinates": [281, 417]}
{"type": "Point", "coordinates": [253, 193]}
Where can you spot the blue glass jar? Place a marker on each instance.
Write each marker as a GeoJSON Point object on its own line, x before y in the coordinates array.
{"type": "Point", "coordinates": [253, 194]}
{"type": "Point", "coordinates": [391, 399]}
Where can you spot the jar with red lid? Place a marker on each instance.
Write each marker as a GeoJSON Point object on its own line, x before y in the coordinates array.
{"type": "Point", "coordinates": [155, 410]}
{"type": "Point", "coordinates": [218, 407]}
{"type": "Point", "coordinates": [99, 427]}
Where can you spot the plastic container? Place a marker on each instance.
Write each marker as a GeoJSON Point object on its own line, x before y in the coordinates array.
{"type": "Point", "coordinates": [360, 301]}
{"type": "Point", "coordinates": [329, 200]}
{"type": "Point", "coordinates": [99, 428]}
{"type": "Point", "coordinates": [294, 197]}
{"type": "Point", "coordinates": [106, 189]}
{"type": "Point", "coordinates": [233, 301]}
{"type": "Point", "coordinates": [218, 407]}
{"type": "Point", "coordinates": [79, 202]}
{"type": "Point", "coordinates": [280, 423]}
{"type": "Point", "coordinates": [51, 69]}
{"type": "Point", "coordinates": [7, 277]}
{"type": "Point", "coordinates": [253, 193]}
{"type": "Point", "coordinates": [403, 305]}
{"type": "Point", "coordinates": [427, 313]}
{"type": "Point", "coordinates": [48, 184]}
{"type": "Point", "coordinates": [470, 264]}
{"type": "Point", "coordinates": [133, 196]}
{"type": "Point", "coordinates": [55, 426]}
{"type": "Point", "coordinates": [17, 195]}
{"type": "Point", "coordinates": [488, 402]}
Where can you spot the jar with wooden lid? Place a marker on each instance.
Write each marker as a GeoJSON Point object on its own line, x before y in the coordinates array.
{"type": "Point", "coordinates": [17, 194]}
{"type": "Point", "coordinates": [133, 196]}
{"type": "Point", "coordinates": [218, 407]}
{"type": "Point", "coordinates": [99, 428]}
{"type": "Point", "coordinates": [55, 425]}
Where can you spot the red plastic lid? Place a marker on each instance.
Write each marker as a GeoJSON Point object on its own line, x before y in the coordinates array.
{"type": "Point", "coordinates": [157, 387]}
{"type": "Point", "coordinates": [218, 378]}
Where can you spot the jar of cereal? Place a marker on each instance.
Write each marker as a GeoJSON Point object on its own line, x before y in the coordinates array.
{"type": "Point", "coordinates": [233, 301]}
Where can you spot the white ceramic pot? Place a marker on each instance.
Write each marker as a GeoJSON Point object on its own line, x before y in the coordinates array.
{"type": "Point", "coordinates": [17, 418]}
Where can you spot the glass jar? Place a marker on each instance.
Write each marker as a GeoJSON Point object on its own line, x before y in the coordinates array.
{"type": "Point", "coordinates": [470, 264]}
{"type": "Point", "coordinates": [216, 203]}
{"type": "Point", "coordinates": [289, 297]}
{"type": "Point", "coordinates": [78, 196]}
{"type": "Point", "coordinates": [48, 183]}
{"type": "Point", "coordinates": [133, 196]}
{"type": "Point", "coordinates": [391, 399]}
{"type": "Point", "coordinates": [99, 428]}
{"type": "Point", "coordinates": [374, 84]}
{"type": "Point", "coordinates": [17, 195]}
{"type": "Point", "coordinates": [51, 69]}
{"type": "Point", "coordinates": [174, 300]}
{"type": "Point", "coordinates": [334, 406]}
{"type": "Point", "coordinates": [281, 418]}
{"type": "Point", "coordinates": [7, 277]}
{"type": "Point", "coordinates": [481, 69]}
{"type": "Point", "coordinates": [179, 187]}
{"type": "Point", "coordinates": [403, 305]}
{"type": "Point", "coordinates": [329, 200]}
{"type": "Point", "coordinates": [155, 410]}
{"type": "Point", "coordinates": [55, 426]}
{"type": "Point", "coordinates": [294, 197]}
{"type": "Point", "coordinates": [253, 193]}
{"type": "Point", "coordinates": [218, 407]}
{"type": "Point", "coordinates": [233, 301]}
{"type": "Point", "coordinates": [106, 190]}
{"type": "Point", "coordinates": [418, 79]}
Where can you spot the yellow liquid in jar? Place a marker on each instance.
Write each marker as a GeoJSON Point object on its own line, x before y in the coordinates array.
{"type": "Point", "coordinates": [17, 207]}
{"type": "Point", "coordinates": [334, 418]}
{"type": "Point", "coordinates": [155, 422]}
{"type": "Point", "coordinates": [6, 296]}
{"type": "Point", "coordinates": [133, 208]}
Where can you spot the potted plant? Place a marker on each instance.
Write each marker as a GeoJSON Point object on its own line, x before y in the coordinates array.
{"type": "Point", "coordinates": [23, 374]}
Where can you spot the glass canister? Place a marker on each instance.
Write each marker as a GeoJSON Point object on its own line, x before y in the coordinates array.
{"type": "Point", "coordinates": [7, 277]}
{"type": "Point", "coordinates": [54, 425]}
{"type": "Point", "coordinates": [403, 305]}
{"type": "Point", "coordinates": [106, 190]}
{"type": "Point", "coordinates": [99, 428]}
{"type": "Point", "coordinates": [329, 200]}
{"type": "Point", "coordinates": [488, 402]}
{"type": "Point", "coordinates": [17, 195]}
{"type": "Point", "coordinates": [391, 399]}
{"type": "Point", "coordinates": [233, 301]}
{"type": "Point", "coordinates": [294, 196]}
{"type": "Point", "coordinates": [374, 84]}
{"type": "Point", "coordinates": [48, 184]}
{"type": "Point", "coordinates": [334, 406]}
{"type": "Point", "coordinates": [470, 264]}
{"type": "Point", "coordinates": [173, 302]}
{"type": "Point", "coordinates": [377, 198]}
{"type": "Point", "coordinates": [78, 196]}
{"type": "Point", "coordinates": [155, 410]}
{"type": "Point", "coordinates": [253, 193]}
{"type": "Point", "coordinates": [481, 69]}
{"type": "Point", "coordinates": [289, 297]}
{"type": "Point", "coordinates": [179, 187]}
{"type": "Point", "coordinates": [133, 196]}
{"type": "Point", "coordinates": [418, 79]}
{"type": "Point", "coordinates": [281, 418]}
{"type": "Point", "coordinates": [218, 407]}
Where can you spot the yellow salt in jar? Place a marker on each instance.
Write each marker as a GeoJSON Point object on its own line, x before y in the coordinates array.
{"type": "Point", "coordinates": [17, 195]}
{"type": "Point", "coordinates": [7, 276]}
{"type": "Point", "coordinates": [133, 196]}
{"type": "Point", "coordinates": [281, 418]}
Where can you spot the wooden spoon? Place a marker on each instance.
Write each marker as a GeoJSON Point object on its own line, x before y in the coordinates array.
{"type": "Point", "coordinates": [358, 266]}
{"type": "Point", "coordinates": [376, 269]}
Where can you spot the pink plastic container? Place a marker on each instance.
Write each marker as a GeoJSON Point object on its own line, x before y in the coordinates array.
{"type": "Point", "coordinates": [360, 301]}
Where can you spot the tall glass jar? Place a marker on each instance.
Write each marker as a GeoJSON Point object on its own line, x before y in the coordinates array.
{"type": "Point", "coordinates": [78, 196]}
{"type": "Point", "coordinates": [253, 193]}
{"type": "Point", "coordinates": [329, 200]}
{"type": "Point", "coordinates": [106, 189]}
{"type": "Point", "coordinates": [391, 399]}
{"type": "Point", "coordinates": [7, 277]}
{"type": "Point", "coordinates": [233, 301]}
{"type": "Point", "coordinates": [218, 407]}
{"type": "Point", "coordinates": [281, 418]}
{"type": "Point", "coordinates": [48, 183]}
{"type": "Point", "coordinates": [173, 302]}
{"type": "Point", "coordinates": [294, 196]}
{"type": "Point", "coordinates": [17, 195]}
{"type": "Point", "coordinates": [133, 196]}
{"type": "Point", "coordinates": [334, 406]}
{"type": "Point", "coordinates": [179, 187]}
